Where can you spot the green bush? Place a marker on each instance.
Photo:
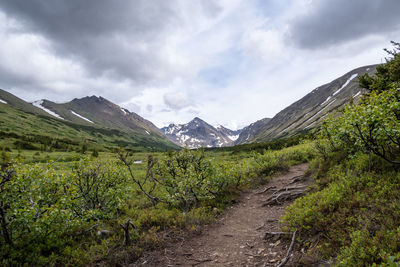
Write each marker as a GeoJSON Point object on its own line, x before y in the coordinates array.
{"type": "Point", "coordinates": [42, 210]}
{"type": "Point", "coordinates": [352, 203]}
{"type": "Point", "coordinates": [189, 178]}
{"type": "Point", "coordinates": [271, 161]}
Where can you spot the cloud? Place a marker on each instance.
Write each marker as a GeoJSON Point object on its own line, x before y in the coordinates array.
{"type": "Point", "coordinates": [263, 44]}
{"type": "Point", "coordinates": [330, 22]}
{"type": "Point", "coordinates": [177, 100]}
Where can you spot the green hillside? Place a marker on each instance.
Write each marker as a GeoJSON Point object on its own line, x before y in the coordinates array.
{"type": "Point", "coordinates": [28, 128]}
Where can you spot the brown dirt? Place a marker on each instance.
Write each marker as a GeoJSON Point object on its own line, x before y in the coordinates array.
{"type": "Point", "coordinates": [237, 237]}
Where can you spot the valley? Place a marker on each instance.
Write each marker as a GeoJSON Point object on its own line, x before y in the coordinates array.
{"type": "Point", "coordinates": [134, 196]}
{"type": "Point", "coordinates": [100, 124]}
{"type": "Point", "coordinates": [200, 133]}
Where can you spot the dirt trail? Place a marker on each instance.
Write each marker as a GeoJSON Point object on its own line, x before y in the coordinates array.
{"type": "Point", "coordinates": [237, 238]}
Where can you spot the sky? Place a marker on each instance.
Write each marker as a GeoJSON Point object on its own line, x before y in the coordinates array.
{"type": "Point", "coordinates": [229, 62]}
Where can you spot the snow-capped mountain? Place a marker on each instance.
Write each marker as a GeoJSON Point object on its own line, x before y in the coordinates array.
{"type": "Point", "coordinates": [198, 133]}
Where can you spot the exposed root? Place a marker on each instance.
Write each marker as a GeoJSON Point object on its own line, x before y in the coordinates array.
{"type": "Point", "coordinates": [290, 188]}
{"type": "Point", "coordinates": [296, 179]}
{"type": "Point", "coordinates": [266, 190]}
{"type": "Point", "coordinates": [283, 196]}
{"type": "Point", "coordinates": [275, 235]}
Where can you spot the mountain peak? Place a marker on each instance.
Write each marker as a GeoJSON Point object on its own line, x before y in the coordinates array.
{"type": "Point", "coordinates": [197, 119]}
{"type": "Point", "coordinates": [198, 133]}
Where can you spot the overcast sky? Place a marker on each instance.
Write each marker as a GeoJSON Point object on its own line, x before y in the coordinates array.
{"type": "Point", "coordinates": [229, 62]}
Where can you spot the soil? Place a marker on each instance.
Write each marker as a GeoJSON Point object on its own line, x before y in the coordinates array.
{"type": "Point", "coordinates": [238, 237]}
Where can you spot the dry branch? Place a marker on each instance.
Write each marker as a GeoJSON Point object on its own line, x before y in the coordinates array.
{"type": "Point", "coordinates": [125, 227]}
{"type": "Point", "coordinates": [284, 261]}
{"type": "Point", "coordinates": [199, 261]}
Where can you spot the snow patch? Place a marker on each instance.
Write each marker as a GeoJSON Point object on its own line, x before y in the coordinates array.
{"type": "Point", "coordinates": [123, 111]}
{"type": "Point", "coordinates": [194, 139]}
{"type": "Point", "coordinates": [320, 111]}
{"type": "Point", "coordinates": [233, 137]}
{"type": "Point", "coordinates": [310, 125]}
{"type": "Point", "coordinates": [148, 132]}
{"type": "Point", "coordinates": [2, 101]}
{"type": "Point", "coordinates": [180, 132]}
{"type": "Point", "coordinates": [183, 138]}
{"type": "Point", "coordinates": [346, 83]}
{"type": "Point", "coordinates": [39, 105]}
{"type": "Point", "coordinates": [367, 69]}
{"type": "Point", "coordinates": [359, 92]}
{"type": "Point", "coordinates": [329, 97]}
{"type": "Point", "coordinates": [80, 116]}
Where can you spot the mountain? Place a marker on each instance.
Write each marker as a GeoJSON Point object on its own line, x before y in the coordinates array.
{"type": "Point", "coordinates": [251, 130]}
{"type": "Point", "coordinates": [93, 121]}
{"type": "Point", "coordinates": [198, 133]}
{"type": "Point", "coordinates": [308, 112]}
{"type": "Point", "coordinates": [99, 111]}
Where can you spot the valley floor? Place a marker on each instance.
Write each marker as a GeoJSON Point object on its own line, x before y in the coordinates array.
{"type": "Point", "coordinates": [238, 238]}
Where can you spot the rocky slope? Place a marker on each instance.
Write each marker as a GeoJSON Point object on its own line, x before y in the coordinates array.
{"type": "Point", "coordinates": [198, 133]}
{"type": "Point", "coordinates": [308, 112]}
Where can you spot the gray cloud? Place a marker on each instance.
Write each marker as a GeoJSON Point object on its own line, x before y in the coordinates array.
{"type": "Point", "coordinates": [122, 38]}
{"type": "Point", "coordinates": [330, 22]}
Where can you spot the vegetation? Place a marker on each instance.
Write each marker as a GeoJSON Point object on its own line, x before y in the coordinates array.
{"type": "Point", "coordinates": [276, 144]}
{"type": "Point", "coordinates": [110, 207]}
{"type": "Point", "coordinates": [353, 217]}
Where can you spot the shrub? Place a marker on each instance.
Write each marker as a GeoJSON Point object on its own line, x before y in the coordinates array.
{"type": "Point", "coordinates": [271, 162]}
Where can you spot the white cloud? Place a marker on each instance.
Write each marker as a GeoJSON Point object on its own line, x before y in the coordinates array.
{"type": "Point", "coordinates": [263, 44]}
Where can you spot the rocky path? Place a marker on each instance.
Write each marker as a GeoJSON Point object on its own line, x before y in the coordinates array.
{"type": "Point", "coordinates": [240, 236]}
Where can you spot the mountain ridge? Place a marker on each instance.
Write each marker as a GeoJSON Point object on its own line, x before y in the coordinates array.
{"type": "Point", "coordinates": [307, 112]}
